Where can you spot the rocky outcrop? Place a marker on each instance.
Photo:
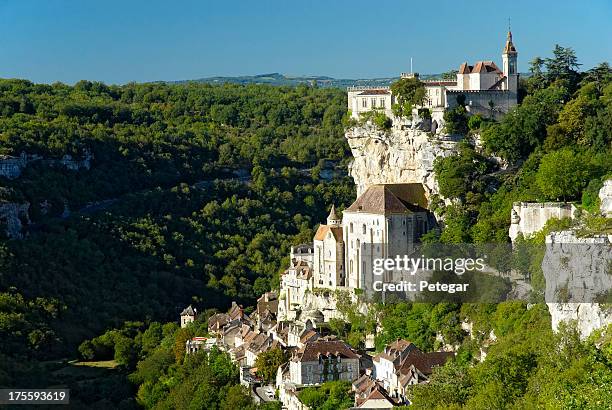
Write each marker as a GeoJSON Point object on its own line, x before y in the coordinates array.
{"type": "Point", "coordinates": [577, 276]}
{"type": "Point", "coordinates": [11, 215]}
{"type": "Point", "coordinates": [405, 154]}
{"type": "Point", "coordinates": [587, 316]}
{"type": "Point", "coordinates": [605, 198]}
{"type": "Point", "coordinates": [12, 167]}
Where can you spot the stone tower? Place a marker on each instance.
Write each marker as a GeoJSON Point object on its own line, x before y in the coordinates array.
{"type": "Point", "coordinates": [332, 218]}
{"type": "Point", "coordinates": [510, 69]}
{"type": "Point", "coordinates": [188, 315]}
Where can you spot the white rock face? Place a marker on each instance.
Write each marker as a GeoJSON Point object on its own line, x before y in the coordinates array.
{"type": "Point", "coordinates": [588, 316]}
{"type": "Point", "coordinates": [577, 269]}
{"type": "Point", "coordinates": [605, 197]}
{"type": "Point", "coordinates": [10, 214]}
{"type": "Point", "coordinates": [403, 155]}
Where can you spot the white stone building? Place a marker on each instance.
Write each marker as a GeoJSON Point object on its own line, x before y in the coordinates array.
{"type": "Point", "coordinates": [328, 264]}
{"type": "Point", "coordinates": [385, 221]}
{"type": "Point", "coordinates": [295, 282]}
{"type": "Point", "coordinates": [322, 360]}
{"type": "Point", "coordinates": [188, 315]}
{"type": "Point", "coordinates": [488, 90]}
{"type": "Point", "coordinates": [364, 99]}
{"type": "Point", "coordinates": [528, 218]}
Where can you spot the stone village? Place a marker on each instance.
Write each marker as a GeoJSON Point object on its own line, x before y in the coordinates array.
{"type": "Point", "coordinates": [393, 172]}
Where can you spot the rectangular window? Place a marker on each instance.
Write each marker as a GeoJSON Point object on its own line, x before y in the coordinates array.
{"type": "Point", "coordinates": [373, 102]}
{"type": "Point", "coordinates": [364, 102]}
{"type": "Point", "coordinates": [382, 103]}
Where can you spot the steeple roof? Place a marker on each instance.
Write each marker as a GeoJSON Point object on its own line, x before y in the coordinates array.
{"type": "Point", "coordinates": [509, 48]}
{"type": "Point", "coordinates": [332, 214]}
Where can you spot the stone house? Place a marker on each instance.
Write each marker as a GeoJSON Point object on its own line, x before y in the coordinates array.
{"type": "Point", "coordinates": [370, 394]}
{"type": "Point", "coordinates": [322, 360]}
{"type": "Point", "coordinates": [402, 364]}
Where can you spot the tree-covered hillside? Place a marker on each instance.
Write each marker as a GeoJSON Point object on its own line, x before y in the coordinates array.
{"type": "Point", "coordinates": [194, 194]}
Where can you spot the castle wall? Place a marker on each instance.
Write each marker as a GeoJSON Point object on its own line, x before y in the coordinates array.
{"type": "Point", "coordinates": [530, 217]}
{"type": "Point", "coordinates": [478, 102]}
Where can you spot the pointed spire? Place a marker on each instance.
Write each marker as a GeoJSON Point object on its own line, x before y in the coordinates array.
{"type": "Point", "coordinates": [509, 48]}
{"type": "Point", "coordinates": [332, 218]}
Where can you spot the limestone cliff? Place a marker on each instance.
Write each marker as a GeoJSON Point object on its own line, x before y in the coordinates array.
{"type": "Point", "coordinates": [405, 154]}
{"type": "Point", "coordinates": [11, 215]}
{"type": "Point", "coordinates": [577, 273]}
{"type": "Point", "coordinates": [605, 198]}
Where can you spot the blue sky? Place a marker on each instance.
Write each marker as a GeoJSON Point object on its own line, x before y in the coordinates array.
{"type": "Point", "coordinates": [122, 41]}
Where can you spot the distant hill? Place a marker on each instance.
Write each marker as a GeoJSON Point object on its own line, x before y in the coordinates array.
{"type": "Point", "coordinates": [281, 79]}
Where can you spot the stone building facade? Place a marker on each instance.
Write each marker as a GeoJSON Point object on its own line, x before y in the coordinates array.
{"type": "Point", "coordinates": [528, 218]}
{"type": "Point", "coordinates": [488, 90]}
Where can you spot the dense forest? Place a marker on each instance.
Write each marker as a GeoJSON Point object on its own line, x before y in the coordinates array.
{"type": "Point", "coordinates": [195, 194]}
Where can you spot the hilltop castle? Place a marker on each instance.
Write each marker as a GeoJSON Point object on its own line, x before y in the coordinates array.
{"type": "Point", "coordinates": [488, 90]}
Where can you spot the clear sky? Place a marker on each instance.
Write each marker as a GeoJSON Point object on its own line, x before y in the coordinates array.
{"type": "Point", "coordinates": [118, 41]}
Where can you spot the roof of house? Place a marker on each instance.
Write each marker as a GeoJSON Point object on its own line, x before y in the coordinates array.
{"type": "Point", "coordinates": [303, 248]}
{"type": "Point", "coordinates": [324, 347]}
{"type": "Point", "coordinates": [267, 302]}
{"type": "Point", "coordinates": [336, 232]}
{"type": "Point", "coordinates": [391, 199]}
{"type": "Point", "coordinates": [479, 67]}
{"type": "Point", "coordinates": [218, 320]}
{"type": "Point", "coordinates": [434, 83]}
{"type": "Point", "coordinates": [367, 389]}
{"type": "Point", "coordinates": [188, 311]}
{"type": "Point", "coordinates": [375, 92]}
{"type": "Point", "coordinates": [424, 362]}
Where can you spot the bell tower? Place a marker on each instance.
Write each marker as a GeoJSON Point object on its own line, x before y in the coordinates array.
{"type": "Point", "coordinates": [510, 67]}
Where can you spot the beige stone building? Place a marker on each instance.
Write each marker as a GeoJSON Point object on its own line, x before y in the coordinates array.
{"type": "Point", "coordinates": [385, 221]}
{"type": "Point", "coordinates": [322, 360]}
{"type": "Point", "coordinates": [328, 264]}
{"type": "Point", "coordinates": [487, 89]}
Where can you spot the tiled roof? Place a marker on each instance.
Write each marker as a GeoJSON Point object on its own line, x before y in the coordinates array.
{"type": "Point", "coordinates": [424, 362]}
{"type": "Point", "coordinates": [188, 311]}
{"type": "Point", "coordinates": [218, 320]}
{"type": "Point", "coordinates": [271, 305]}
{"type": "Point", "coordinates": [375, 92]}
{"type": "Point", "coordinates": [440, 83]}
{"type": "Point", "coordinates": [479, 67]}
{"type": "Point", "coordinates": [391, 199]}
{"type": "Point", "coordinates": [336, 231]}
{"type": "Point", "coordinates": [324, 347]}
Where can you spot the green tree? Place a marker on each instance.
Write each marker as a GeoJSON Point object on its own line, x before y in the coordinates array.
{"type": "Point", "coordinates": [268, 362]}
{"type": "Point", "coordinates": [562, 174]}
{"type": "Point", "coordinates": [408, 92]}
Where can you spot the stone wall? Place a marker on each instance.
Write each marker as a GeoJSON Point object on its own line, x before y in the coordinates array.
{"type": "Point", "coordinates": [528, 218]}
